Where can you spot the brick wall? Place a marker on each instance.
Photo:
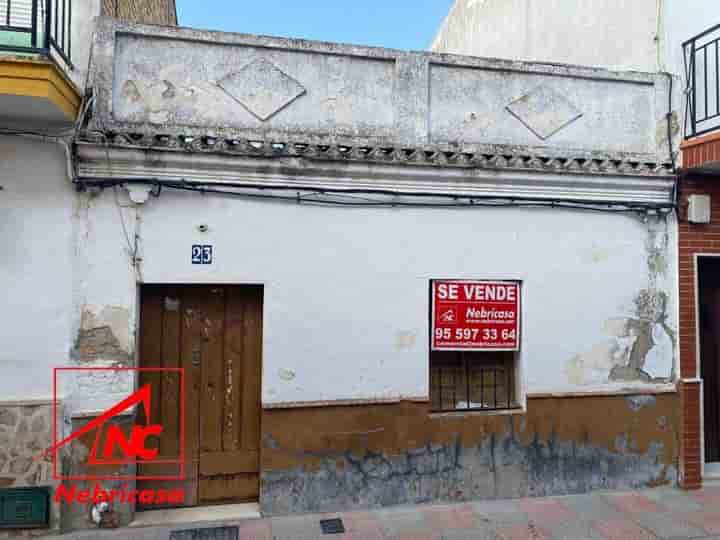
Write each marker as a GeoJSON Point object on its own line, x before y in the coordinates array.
{"type": "Point", "coordinates": [701, 150]}
{"type": "Point", "coordinates": [142, 11]}
{"type": "Point", "coordinates": [693, 239]}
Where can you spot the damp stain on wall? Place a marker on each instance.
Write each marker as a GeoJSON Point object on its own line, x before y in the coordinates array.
{"type": "Point", "coordinates": [399, 454]}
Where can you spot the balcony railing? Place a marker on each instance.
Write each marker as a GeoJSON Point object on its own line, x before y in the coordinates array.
{"type": "Point", "coordinates": [37, 27]}
{"type": "Point", "coordinates": [702, 63]}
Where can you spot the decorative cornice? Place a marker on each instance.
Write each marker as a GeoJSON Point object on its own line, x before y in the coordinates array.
{"type": "Point", "coordinates": [430, 171]}
{"type": "Point", "coordinates": [495, 157]}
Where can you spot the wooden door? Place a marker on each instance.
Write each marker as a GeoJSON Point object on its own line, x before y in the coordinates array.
{"type": "Point", "coordinates": [215, 333]}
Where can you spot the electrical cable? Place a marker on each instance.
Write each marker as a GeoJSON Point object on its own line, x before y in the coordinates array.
{"type": "Point", "coordinates": [340, 197]}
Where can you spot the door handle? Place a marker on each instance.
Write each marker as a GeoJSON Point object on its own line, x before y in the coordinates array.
{"type": "Point", "coordinates": [195, 358]}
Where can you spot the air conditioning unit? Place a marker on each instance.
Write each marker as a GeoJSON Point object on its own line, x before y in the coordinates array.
{"type": "Point", "coordinates": [699, 209]}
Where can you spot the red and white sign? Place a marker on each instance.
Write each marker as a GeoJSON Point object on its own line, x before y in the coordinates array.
{"type": "Point", "coordinates": [475, 315]}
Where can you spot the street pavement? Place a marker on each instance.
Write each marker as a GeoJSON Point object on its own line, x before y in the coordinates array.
{"type": "Point", "coordinates": [665, 513]}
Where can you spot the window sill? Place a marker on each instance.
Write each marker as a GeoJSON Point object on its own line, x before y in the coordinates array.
{"type": "Point", "coordinates": [464, 413]}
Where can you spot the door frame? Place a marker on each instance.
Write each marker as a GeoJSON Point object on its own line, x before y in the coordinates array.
{"type": "Point", "coordinates": [704, 473]}
{"type": "Point", "coordinates": [137, 354]}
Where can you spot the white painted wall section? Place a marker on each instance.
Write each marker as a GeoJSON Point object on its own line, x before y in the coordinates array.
{"type": "Point", "coordinates": [642, 35]}
{"type": "Point", "coordinates": [36, 228]}
{"type": "Point", "coordinates": [346, 290]}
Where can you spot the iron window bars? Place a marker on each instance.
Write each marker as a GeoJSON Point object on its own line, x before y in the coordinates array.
{"type": "Point", "coordinates": [37, 27]}
{"type": "Point", "coordinates": [702, 59]}
{"type": "Point", "coordinates": [472, 381]}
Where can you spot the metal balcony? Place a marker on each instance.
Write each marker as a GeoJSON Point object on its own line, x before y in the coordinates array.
{"type": "Point", "coordinates": [702, 60]}
{"type": "Point", "coordinates": [41, 27]}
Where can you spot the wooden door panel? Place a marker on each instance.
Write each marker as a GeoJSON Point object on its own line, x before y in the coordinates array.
{"type": "Point", "coordinates": [221, 489]}
{"type": "Point", "coordinates": [215, 333]}
{"type": "Point", "coordinates": [229, 464]}
{"type": "Point", "coordinates": [251, 369]}
{"type": "Point", "coordinates": [171, 381]}
{"type": "Point", "coordinates": [213, 378]}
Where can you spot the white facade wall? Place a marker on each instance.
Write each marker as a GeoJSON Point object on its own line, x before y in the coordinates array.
{"type": "Point", "coordinates": [83, 26]}
{"type": "Point", "coordinates": [346, 289]}
{"type": "Point", "coordinates": [36, 227]}
{"type": "Point", "coordinates": [642, 35]}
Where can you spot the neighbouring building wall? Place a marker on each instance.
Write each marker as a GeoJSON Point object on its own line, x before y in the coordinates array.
{"type": "Point", "coordinates": [36, 212]}
{"type": "Point", "coordinates": [83, 26]}
{"type": "Point", "coordinates": [695, 240]}
{"type": "Point", "coordinates": [682, 21]}
{"type": "Point", "coordinates": [142, 11]}
{"type": "Point", "coordinates": [614, 33]}
{"type": "Point", "coordinates": [643, 35]}
{"type": "Point", "coordinates": [36, 226]}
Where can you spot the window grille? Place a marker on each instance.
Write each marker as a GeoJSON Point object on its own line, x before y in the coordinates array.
{"type": "Point", "coordinates": [475, 381]}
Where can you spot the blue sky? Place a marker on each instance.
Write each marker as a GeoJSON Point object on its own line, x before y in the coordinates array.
{"type": "Point", "coordinates": [400, 24]}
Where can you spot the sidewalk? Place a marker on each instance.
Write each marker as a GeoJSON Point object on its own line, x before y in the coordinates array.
{"type": "Point", "coordinates": [642, 515]}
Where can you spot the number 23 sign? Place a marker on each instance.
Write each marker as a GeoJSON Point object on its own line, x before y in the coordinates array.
{"type": "Point", "coordinates": [475, 315]}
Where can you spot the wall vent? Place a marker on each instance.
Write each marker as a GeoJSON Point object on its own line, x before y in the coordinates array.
{"type": "Point", "coordinates": [25, 508]}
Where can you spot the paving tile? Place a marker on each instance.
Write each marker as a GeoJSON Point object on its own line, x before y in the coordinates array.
{"type": "Point", "coordinates": [632, 503]}
{"type": "Point", "coordinates": [546, 511]}
{"type": "Point", "coordinates": [255, 529]}
{"type": "Point", "coordinates": [673, 500]}
{"type": "Point", "coordinates": [404, 522]}
{"type": "Point", "coordinates": [356, 535]}
{"type": "Point", "coordinates": [708, 496]}
{"type": "Point", "coordinates": [667, 525]}
{"type": "Point", "coordinates": [707, 520]}
{"type": "Point", "coordinates": [499, 512]}
{"type": "Point", "coordinates": [482, 533]}
{"type": "Point", "coordinates": [296, 528]}
{"type": "Point", "coordinates": [621, 529]}
{"type": "Point", "coordinates": [419, 536]}
{"type": "Point", "coordinates": [522, 532]}
{"type": "Point", "coordinates": [441, 518]}
{"type": "Point", "coordinates": [591, 507]}
{"type": "Point", "coordinates": [363, 523]}
{"type": "Point", "coordinates": [572, 530]}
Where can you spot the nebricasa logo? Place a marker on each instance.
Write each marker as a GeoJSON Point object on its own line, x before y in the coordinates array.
{"type": "Point", "coordinates": [112, 448]}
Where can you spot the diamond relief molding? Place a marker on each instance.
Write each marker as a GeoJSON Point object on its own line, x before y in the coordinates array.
{"type": "Point", "coordinates": [262, 88]}
{"type": "Point", "coordinates": [544, 111]}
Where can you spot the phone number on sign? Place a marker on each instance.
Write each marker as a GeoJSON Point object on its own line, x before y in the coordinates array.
{"type": "Point", "coordinates": [472, 334]}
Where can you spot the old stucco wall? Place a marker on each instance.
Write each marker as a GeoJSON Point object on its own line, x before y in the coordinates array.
{"type": "Point", "coordinates": [84, 15]}
{"type": "Point", "coordinates": [272, 88]}
{"type": "Point", "coordinates": [346, 290]}
{"type": "Point", "coordinates": [615, 34]}
{"type": "Point", "coordinates": [331, 458]}
{"type": "Point", "coordinates": [643, 35]}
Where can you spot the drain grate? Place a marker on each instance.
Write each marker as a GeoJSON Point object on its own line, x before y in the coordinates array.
{"type": "Point", "coordinates": [216, 533]}
{"type": "Point", "coordinates": [332, 526]}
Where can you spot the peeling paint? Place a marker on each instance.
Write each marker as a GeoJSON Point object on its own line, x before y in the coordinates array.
{"type": "Point", "coordinates": [638, 402]}
{"type": "Point", "coordinates": [104, 335]}
{"type": "Point", "coordinates": [642, 347]}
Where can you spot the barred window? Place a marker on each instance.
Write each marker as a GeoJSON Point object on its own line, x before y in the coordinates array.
{"type": "Point", "coordinates": [472, 381]}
